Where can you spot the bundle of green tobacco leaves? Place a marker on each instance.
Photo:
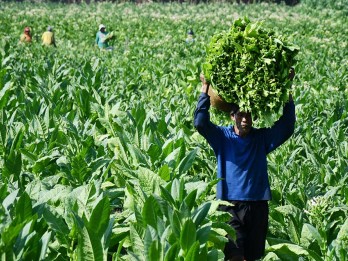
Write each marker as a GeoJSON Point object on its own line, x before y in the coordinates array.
{"type": "Point", "coordinates": [249, 65]}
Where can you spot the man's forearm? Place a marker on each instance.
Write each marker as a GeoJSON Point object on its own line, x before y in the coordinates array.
{"type": "Point", "coordinates": [205, 84]}
{"type": "Point", "coordinates": [201, 115]}
{"type": "Point", "coordinates": [205, 88]}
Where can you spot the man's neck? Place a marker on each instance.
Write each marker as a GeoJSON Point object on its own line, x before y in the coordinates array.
{"type": "Point", "coordinates": [240, 133]}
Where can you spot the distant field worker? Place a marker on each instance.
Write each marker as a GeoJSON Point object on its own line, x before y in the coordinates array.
{"type": "Point", "coordinates": [102, 38]}
{"type": "Point", "coordinates": [48, 37]}
{"type": "Point", "coordinates": [26, 36]}
{"type": "Point", "coordinates": [190, 36]}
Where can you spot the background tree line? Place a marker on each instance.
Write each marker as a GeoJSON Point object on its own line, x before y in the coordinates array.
{"type": "Point", "coordinates": [287, 2]}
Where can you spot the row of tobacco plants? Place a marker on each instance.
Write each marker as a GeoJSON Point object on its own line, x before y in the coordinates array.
{"type": "Point", "coordinates": [99, 159]}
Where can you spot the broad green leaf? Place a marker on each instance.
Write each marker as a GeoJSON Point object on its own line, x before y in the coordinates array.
{"type": "Point", "coordinates": [200, 214]}
{"type": "Point", "coordinates": [149, 181]}
{"type": "Point", "coordinates": [187, 162]}
{"type": "Point", "coordinates": [172, 252]}
{"type": "Point", "coordinates": [10, 232]}
{"type": "Point", "coordinates": [271, 256]}
{"type": "Point", "coordinates": [167, 147]}
{"type": "Point", "coordinates": [44, 241]}
{"type": "Point", "coordinates": [218, 240]}
{"type": "Point", "coordinates": [291, 251]}
{"type": "Point", "coordinates": [310, 234]}
{"type": "Point", "coordinates": [4, 94]}
{"type": "Point", "coordinates": [171, 159]}
{"type": "Point", "coordinates": [190, 199]}
{"type": "Point", "coordinates": [13, 164]}
{"type": "Point", "coordinates": [57, 224]}
{"type": "Point", "coordinates": [226, 227]}
{"type": "Point", "coordinates": [9, 200]}
{"type": "Point", "coordinates": [149, 238]}
{"type": "Point", "coordinates": [203, 255]}
{"type": "Point", "coordinates": [188, 235]}
{"type": "Point", "coordinates": [293, 230]}
{"type": "Point", "coordinates": [24, 210]}
{"type": "Point", "coordinates": [343, 232]}
{"type": "Point", "coordinates": [176, 223]}
{"type": "Point", "coordinates": [176, 189]}
{"type": "Point", "coordinates": [155, 251]}
{"type": "Point", "coordinates": [23, 237]}
{"type": "Point", "coordinates": [119, 234]}
{"type": "Point", "coordinates": [164, 172]}
{"type": "Point", "coordinates": [29, 155]}
{"type": "Point", "coordinates": [203, 234]}
{"type": "Point", "coordinates": [137, 155]}
{"type": "Point", "coordinates": [213, 255]}
{"type": "Point", "coordinates": [193, 253]}
{"type": "Point", "coordinates": [136, 237]}
{"type": "Point", "coordinates": [151, 211]}
{"type": "Point", "coordinates": [89, 245]}
{"type": "Point", "coordinates": [100, 216]}
{"type": "Point", "coordinates": [167, 196]}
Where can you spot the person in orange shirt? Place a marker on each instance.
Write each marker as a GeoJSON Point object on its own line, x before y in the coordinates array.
{"type": "Point", "coordinates": [26, 36]}
{"type": "Point", "coordinates": [48, 37]}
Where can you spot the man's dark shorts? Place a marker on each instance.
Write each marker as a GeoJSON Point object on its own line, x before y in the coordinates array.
{"type": "Point", "coordinates": [250, 220]}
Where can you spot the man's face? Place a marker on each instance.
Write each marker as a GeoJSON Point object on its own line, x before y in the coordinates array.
{"type": "Point", "coordinates": [243, 122]}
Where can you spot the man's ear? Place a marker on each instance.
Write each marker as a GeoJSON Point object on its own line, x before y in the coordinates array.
{"type": "Point", "coordinates": [232, 117]}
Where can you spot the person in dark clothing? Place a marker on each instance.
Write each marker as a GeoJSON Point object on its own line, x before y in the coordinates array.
{"type": "Point", "coordinates": [241, 153]}
{"type": "Point", "coordinates": [190, 36]}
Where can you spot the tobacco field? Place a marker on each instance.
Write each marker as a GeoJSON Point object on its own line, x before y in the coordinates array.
{"type": "Point", "coordinates": [99, 158]}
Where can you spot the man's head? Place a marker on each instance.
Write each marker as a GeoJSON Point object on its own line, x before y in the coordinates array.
{"type": "Point", "coordinates": [101, 27]}
{"type": "Point", "coordinates": [49, 28]}
{"type": "Point", "coordinates": [27, 30]}
{"type": "Point", "coordinates": [243, 121]}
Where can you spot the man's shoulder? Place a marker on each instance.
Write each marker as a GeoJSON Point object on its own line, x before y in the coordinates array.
{"type": "Point", "coordinates": [227, 130]}
{"type": "Point", "coordinates": [258, 131]}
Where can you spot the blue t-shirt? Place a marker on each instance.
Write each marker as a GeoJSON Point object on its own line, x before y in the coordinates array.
{"type": "Point", "coordinates": [242, 161]}
{"type": "Point", "coordinates": [101, 40]}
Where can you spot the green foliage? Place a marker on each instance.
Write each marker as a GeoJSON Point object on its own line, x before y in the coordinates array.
{"type": "Point", "coordinates": [99, 158]}
{"type": "Point", "coordinates": [249, 65]}
{"type": "Point", "coordinates": [172, 228]}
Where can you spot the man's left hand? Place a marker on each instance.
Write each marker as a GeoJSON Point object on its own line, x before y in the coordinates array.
{"type": "Point", "coordinates": [291, 73]}
{"type": "Point", "coordinates": [205, 84]}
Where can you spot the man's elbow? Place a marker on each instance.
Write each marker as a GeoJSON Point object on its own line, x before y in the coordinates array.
{"type": "Point", "coordinates": [291, 120]}
{"type": "Point", "coordinates": [291, 128]}
{"type": "Point", "coordinates": [198, 125]}
{"type": "Point", "coordinates": [293, 123]}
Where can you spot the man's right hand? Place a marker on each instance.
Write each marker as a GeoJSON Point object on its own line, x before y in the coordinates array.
{"type": "Point", "coordinates": [291, 77]}
{"type": "Point", "coordinates": [291, 73]}
{"type": "Point", "coordinates": [205, 84]}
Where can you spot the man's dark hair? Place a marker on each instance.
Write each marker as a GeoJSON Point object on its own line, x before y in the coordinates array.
{"type": "Point", "coordinates": [234, 109]}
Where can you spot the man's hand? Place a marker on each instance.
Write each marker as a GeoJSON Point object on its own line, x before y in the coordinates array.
{"type": "Point", "coordinates": [291, 74]}
{"type": "Point", "coordinates": [290, 97]}
{"type": "Point", "coordinates": [291, 77]}
{"type": "Point", "coordinates": [205, 84]}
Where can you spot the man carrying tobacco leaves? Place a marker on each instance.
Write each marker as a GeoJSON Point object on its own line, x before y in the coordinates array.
{"type": "Point", "coordinates": [102, 38]}
{"type": "Point", "coordinates": [241, 153]}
